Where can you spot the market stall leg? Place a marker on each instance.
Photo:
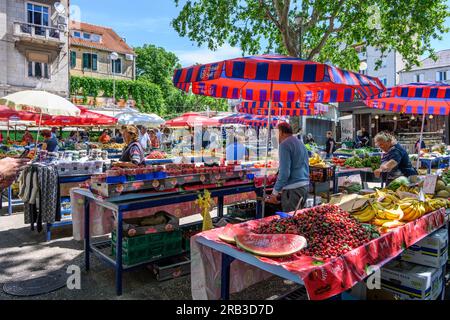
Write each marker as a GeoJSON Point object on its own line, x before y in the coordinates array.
{"type": "Point", "coordinates": [220, 206]}
{"type": "Point", "coordinates": [259, 198]}
{"type": "Point", "coordinates": [119, 266]}
{"type": "Point", "coordinates": [87, 236]}
{"type": "Point", "coordinates": [225, 277]}
{"type": "Point", "coordinates": [10, 211]}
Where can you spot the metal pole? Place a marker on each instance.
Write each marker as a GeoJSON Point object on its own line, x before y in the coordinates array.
{"type": "Point", "coordinates": [421, 139]}
{"type": "Point", "coordinates": [267, 151]}
{"type": "Point", "coordinates": [37, 137]}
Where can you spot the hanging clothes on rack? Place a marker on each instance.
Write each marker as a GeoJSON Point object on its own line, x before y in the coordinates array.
{"type": "Point", "coordinates": [39, 190]}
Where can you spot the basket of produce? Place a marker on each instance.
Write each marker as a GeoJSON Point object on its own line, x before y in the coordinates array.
{"type": "Point", "coordinates": [160, 222]}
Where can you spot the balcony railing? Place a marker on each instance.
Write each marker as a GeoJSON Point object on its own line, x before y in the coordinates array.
{"type": "Point", "coordinates": [38, 31]}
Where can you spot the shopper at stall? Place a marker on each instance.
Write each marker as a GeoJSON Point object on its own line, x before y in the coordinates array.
{"type": "Point", "coordinates": [167, 139]}
{"type": "Point", "coordinates": [144, 138]}
{"type": "Point", "coordinates": [330, 145]}
{"type": "Point", "coordinates": [10, 169]}
{"type": "Point", "coordinates": [395, 161]}
{"type": "Point", "coordinates": [105, 137]}
{"type": "Point", "coordinates": [309, 139]}
{"type": "Point", "coordinates": [133, 151]}
{"type": "Point", "coordinates": [50, 141]}
{"type": "Point", "coordinates": [154, 141]}
{"type": "Point", "coordinates": [366, 136]}
{"type": "Point", "coordinates": [293, 177]}
{"type": "Point", "coordinates": [236, 151]}
{"type": "Point", "coordinates": [118, 138]}
{"type": "Point", "coordinates": [27, 137]}
{"type": "Point", "coordinates": [55, 132]}
{"type": "Point", "coordinates": [422, 146]}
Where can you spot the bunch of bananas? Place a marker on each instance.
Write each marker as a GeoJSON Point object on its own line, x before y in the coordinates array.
{"type": "Point", "coordinates": [413, 209]}
{"type": "Point", "coordinates": [413, 190]}
{"type": "Point", "coordinates": [316, 161]}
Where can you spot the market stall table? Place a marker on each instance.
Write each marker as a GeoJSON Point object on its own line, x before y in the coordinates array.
{"type": "Point", "coordinates": [341, 172]}
{"type": "Point", "coordinates": [429, 162]}
{"type": "Point", "coordinates": [126, 203]}
{"type": "Point", "coordinates": [213, 258]}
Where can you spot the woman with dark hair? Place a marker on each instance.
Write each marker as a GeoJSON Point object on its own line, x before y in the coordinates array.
{"type": "Point", "coordinates": [50, 141]}
{"type": "Point", "coordinates": [133, 152]}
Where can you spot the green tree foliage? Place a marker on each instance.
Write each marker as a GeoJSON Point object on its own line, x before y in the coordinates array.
{"type": "Point", "coordinates": [321, 30]}
{"type": "Point", "coordinates": [156, 65]}
{"type": "Point", "coordinates": [148, 95]}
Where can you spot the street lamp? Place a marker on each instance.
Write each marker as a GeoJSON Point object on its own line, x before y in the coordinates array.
{"type": "Point", "coordinates": [114, 56]}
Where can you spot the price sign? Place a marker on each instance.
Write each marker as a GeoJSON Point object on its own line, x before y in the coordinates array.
{"type": "Point", "coordinates": [429, 184]}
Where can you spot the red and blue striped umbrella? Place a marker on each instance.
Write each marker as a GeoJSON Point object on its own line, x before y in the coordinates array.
{"type": "Point", "coordinates": [276, 78]}
{"type": "Point", "coordinates": [414, 98]}
{"type": "Point", "coordinates": [292, 109]}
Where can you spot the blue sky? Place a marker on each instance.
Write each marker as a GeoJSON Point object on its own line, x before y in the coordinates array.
{"type": "Point", "coordinates": [148, 21]}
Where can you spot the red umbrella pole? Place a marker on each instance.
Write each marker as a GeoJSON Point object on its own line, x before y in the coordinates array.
{"type": "Point", "coordinates": [267, 151]}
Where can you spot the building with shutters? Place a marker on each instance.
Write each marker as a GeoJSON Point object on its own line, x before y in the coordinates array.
{"type": "Point", "coordinates": [429, 70]}
{"type": "Point", "coordinates": [90, 53]}
{"type": "Point", "coordinates": [34, 46]}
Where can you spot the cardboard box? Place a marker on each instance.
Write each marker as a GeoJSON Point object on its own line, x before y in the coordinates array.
{"type": "Point", "coordinates": [431, 251]}
{"type": "Point", "coordinates": [408, 281]}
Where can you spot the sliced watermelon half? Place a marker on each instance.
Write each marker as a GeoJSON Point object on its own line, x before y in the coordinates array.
{"type": "Point", "coordinates": [230, 232]}
{"type": "Point", "coordinates": [271, 245]}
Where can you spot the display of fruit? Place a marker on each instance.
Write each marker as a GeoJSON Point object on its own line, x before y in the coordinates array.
{"type": "Point", "coordinates": [157, 155]}
{"type": "Point", "coordinates": [271, 245]}
{"type": "Point", "coordinates": [338, 161]}
{"type": "Point", "coordinates": [117, 146]}
{"type": "Point", "coordinates": [316, 161]}
{"type": "Point", "coordinates": [394, 185]}
{"type": "Point", "coordinates": [328, 230]}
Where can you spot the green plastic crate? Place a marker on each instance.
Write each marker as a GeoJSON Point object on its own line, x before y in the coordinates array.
{"type": "Point", "coordinates": [148, 247]}
{"type": "Point", "coordinates": [188, 229]}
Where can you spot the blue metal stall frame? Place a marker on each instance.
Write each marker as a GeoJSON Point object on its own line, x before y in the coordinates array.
{"type": "Point", "coordinates": [127, 203]}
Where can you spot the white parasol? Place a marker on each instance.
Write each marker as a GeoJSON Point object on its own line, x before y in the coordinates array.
{"type": "Point", "coordinates": [136, 118]}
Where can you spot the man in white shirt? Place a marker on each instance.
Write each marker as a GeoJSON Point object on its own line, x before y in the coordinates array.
{"type": "Point", "coordinates": [144, 138]}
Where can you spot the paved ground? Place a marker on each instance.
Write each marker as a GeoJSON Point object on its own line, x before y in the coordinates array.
{"type": "Point", "coordinates": [24, 254]}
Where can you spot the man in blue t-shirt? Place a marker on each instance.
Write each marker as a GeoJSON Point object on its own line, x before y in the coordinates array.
{"type": "Point", "coordinates": [395, 160]}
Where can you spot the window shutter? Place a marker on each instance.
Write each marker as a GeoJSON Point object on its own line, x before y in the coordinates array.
{"type": "Point", "coordinates": [437, 76]}
{"type": "Point", "coordinates": [448, 75]}
{"type": "Point", "coordinates": [94, 62]}
{"type": "Point", "coordinates": [85, 61]}
{"type": "Point", "coordinates": [30, 68]}
{"type": "Point", "coordinates": [422, 77]}
{"type": "Point", "coordinates": [73, 59]}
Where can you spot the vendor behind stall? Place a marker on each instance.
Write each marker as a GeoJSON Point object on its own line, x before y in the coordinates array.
{"type": "Point", "coordinates": [133, 152]}
{"type": "Point", "coordinates": [395, 161]}
{"type": "Point", "coordinates": [50, 142]}
{"type": "Point", "coordinates": [105, 137]}
{"type": "Point", "coordinates": [293, 176]}
{"type": "Point", "coordinates": [27, 137]}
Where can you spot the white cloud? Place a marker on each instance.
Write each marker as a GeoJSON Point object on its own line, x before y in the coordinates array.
{"type": "Point", "coordinates": [204, 55]}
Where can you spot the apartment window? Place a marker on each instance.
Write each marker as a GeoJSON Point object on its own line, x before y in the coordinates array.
{"type": "Point", "coordinates": [86, 36]}
{"type": "Point", "coordinates": [116, 66]}
{"type": "Point", "coordinates": [73, 59]}
{"type": "Point", "coordinates": [38, 70]}
{"type": "Point", "coordinates": [77, 34]}
{"type": "Point", "coordinates": [38, 15]}
{"type": "Point", "coordinates": [96, 38]}
{"type": "Point", "coordinates": [420, 77]}
{"type": "Point", "coordinates": [90, 61]}
{"type": "Point", "coordinates": [441, 76]}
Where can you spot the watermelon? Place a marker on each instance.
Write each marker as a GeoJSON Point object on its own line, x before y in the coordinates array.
{"type": "Point", "coordinates": [229, 232]}
{"type": "Point", "coordinates": [271, 245]}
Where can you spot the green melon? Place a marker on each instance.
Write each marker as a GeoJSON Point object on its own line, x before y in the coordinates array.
{"type": "Point", "coordinates": [443, 194]}
{"type": "Point", "coordinates": [271, 245]}
{"type": "Point", "coordinates": [440, 185]}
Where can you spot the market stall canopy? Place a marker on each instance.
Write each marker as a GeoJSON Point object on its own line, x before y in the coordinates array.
{"type": "Point", "coordinates": [276, 78]}
{"type": "Point", "coordinates": [86, 118]}
{"type": "Point", "coordinates": [414, 98]}
{"type": "Point", "coordinates": [192, 119]}
{"type": "Point", "coordinates": [137, 118]}
{"type": "Point", "coordinates": [251, 120]}
{"type": "Point", "coordinates": [7, 114]}
{"type": "Point", "coordinates": [40, 102]}
{"type": "Point", "coordinates": [282, 108]}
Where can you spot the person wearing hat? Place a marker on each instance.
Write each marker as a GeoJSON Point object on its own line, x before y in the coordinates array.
{"type": "Point", "coordinates": [133, 151]}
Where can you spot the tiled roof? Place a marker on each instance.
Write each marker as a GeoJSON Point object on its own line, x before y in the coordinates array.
{"type": "Point", "coordinates": [443, 60]}
{"type": "Point", "coordinates": [111, 41]}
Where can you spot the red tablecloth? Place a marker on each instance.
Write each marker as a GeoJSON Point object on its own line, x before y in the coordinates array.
{"type": "Point", "coordinates": [322, 279]}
